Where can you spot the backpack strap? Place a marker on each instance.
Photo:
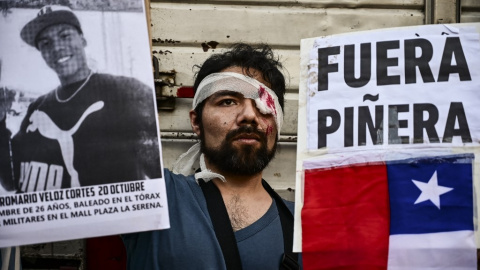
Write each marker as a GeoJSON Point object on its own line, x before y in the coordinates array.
{"type": "Point", "coordinates": [290, 259]}
{"type": "Point", "coordinates": [221, 225]}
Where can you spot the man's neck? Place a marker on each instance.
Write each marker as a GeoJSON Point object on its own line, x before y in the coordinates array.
{"type": "Point", "coordinates": [245, 199]}
{"type": "Point", "coordinates": [80, 75]}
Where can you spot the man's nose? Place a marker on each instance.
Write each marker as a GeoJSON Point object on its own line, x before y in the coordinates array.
{"type": "Point", "coordinates": [249, 113]}
{"type": "Point", "coordinates": [57, 44]}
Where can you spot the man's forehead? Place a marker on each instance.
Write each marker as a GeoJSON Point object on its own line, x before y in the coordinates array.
{"type": "Point", "coordinates": [250, 72]}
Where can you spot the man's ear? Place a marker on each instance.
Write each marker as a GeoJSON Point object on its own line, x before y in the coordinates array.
{"type": "Point", "coordinates": [194, 122]}
{"type": "Point", "coordinates": [84, 41]}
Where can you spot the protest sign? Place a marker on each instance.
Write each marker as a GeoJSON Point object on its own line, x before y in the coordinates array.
{"type": "Point", "coordinates": [80, 147]}
{"type": "Point", "coordinates": [394, 89]}
{"type": "Point", "coordinates": [396, 96]}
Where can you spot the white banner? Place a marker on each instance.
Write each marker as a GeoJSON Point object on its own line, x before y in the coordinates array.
{"type": "Point", "coordinates": [411, 87]}
{"type": "Point", "coordinates": [63, 214]}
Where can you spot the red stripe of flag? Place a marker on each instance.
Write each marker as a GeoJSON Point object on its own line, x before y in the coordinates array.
{"type": "Point", "coordinates": [345, 218]}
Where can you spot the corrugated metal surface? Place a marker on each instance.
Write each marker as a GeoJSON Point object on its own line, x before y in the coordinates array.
{"type": "Point", "coordinates": [470, 11]}
{"type": "Point", "coordinates": [182, 31]}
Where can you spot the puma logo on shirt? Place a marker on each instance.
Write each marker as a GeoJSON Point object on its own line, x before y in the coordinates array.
{"type": "Point", "coordinates": [37, 176]}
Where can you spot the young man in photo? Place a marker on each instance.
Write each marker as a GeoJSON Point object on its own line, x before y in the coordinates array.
{"type": "Point", "coordinates": [92, 129]}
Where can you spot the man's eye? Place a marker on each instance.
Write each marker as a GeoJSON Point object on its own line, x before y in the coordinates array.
{"type": "Point", "coordinates": [227, 102]}
{"type": "Point", "coordinates": [65, 35]}
{"type": "Point", "coordinates": [43, 44]}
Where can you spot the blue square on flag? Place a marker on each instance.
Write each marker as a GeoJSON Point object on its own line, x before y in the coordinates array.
{"type": "Point", "coordinates": [429, 195]}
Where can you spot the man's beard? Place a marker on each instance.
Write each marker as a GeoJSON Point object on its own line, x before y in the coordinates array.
{"type": "Point", "coordinates": [244, 160]}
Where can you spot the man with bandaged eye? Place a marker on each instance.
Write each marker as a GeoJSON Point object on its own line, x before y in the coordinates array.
{"type": "Point", "coordinates": [224, 215]}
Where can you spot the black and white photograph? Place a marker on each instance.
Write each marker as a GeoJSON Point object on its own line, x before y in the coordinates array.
{"type": "Point", "coordinates": [80, 151]}
{"type": "Point", "coordinates": [77, 108]}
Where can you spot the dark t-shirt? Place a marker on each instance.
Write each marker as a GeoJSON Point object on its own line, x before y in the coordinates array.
{"type": "Point", "coordinates": [105, 133]}
{"type": "Point", "coordinates": [190, 243]}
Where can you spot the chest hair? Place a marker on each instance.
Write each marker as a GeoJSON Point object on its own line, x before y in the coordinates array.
{"type": "Point", "coordinates": [238, 213]}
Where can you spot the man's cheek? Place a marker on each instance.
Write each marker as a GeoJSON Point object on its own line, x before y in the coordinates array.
{"type": "Point", "coordinates": [48, 60]}
{"type": "Point", "coordinates": [269, 130]}
{"type": "Point", "coordinates": [272, 128]}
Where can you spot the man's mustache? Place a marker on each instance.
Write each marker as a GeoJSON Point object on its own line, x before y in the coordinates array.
{"type": "Point", "coordinates": [246, 130]}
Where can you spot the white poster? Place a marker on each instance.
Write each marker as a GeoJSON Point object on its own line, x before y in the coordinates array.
{"type": "Point", "coordinates": [398, 92]}
{"type": "Point", "coordinates": [80, 152]}
{"type": "Point", "coordinates": [404, 88]}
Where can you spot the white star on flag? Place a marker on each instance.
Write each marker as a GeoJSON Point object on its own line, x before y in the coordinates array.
{"type": "Point", "coordinates": [431, 190]}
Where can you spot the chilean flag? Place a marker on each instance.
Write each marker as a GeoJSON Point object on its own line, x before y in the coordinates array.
{"type": "Point", "coordinates": [409, 214]}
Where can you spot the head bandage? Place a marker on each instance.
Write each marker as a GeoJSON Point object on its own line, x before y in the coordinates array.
{"type": "Point", "coordinates": [265, 100]}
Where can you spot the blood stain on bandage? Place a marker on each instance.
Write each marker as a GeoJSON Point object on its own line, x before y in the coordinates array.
{"type": "Point", "coordinates": [267, 98]}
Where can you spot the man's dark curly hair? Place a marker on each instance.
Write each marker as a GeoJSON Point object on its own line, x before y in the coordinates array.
{"type": "Point", "coordinates": [260, 57]}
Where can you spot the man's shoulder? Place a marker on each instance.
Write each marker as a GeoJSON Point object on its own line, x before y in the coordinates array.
{"type": "Point", "coordinates": [178, 180]}
{"type": "Point", "coordinates": [120, 81]}
{"type": "Point", "coordinates": [170, 174]}
{"type": "Point", "coordinates": [128, 87]}
{"type": "Point", "coordinates": [290, 205]}
{"type": "Point", "coordinates": [43, 99]}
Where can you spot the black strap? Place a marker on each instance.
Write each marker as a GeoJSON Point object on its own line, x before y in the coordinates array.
{"type": "Point", "coordinates": [290, 259]}
{"type": "Point", "coordinates": [221, 224]}
{"type": "Point", "coordinates": [226, 236]}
